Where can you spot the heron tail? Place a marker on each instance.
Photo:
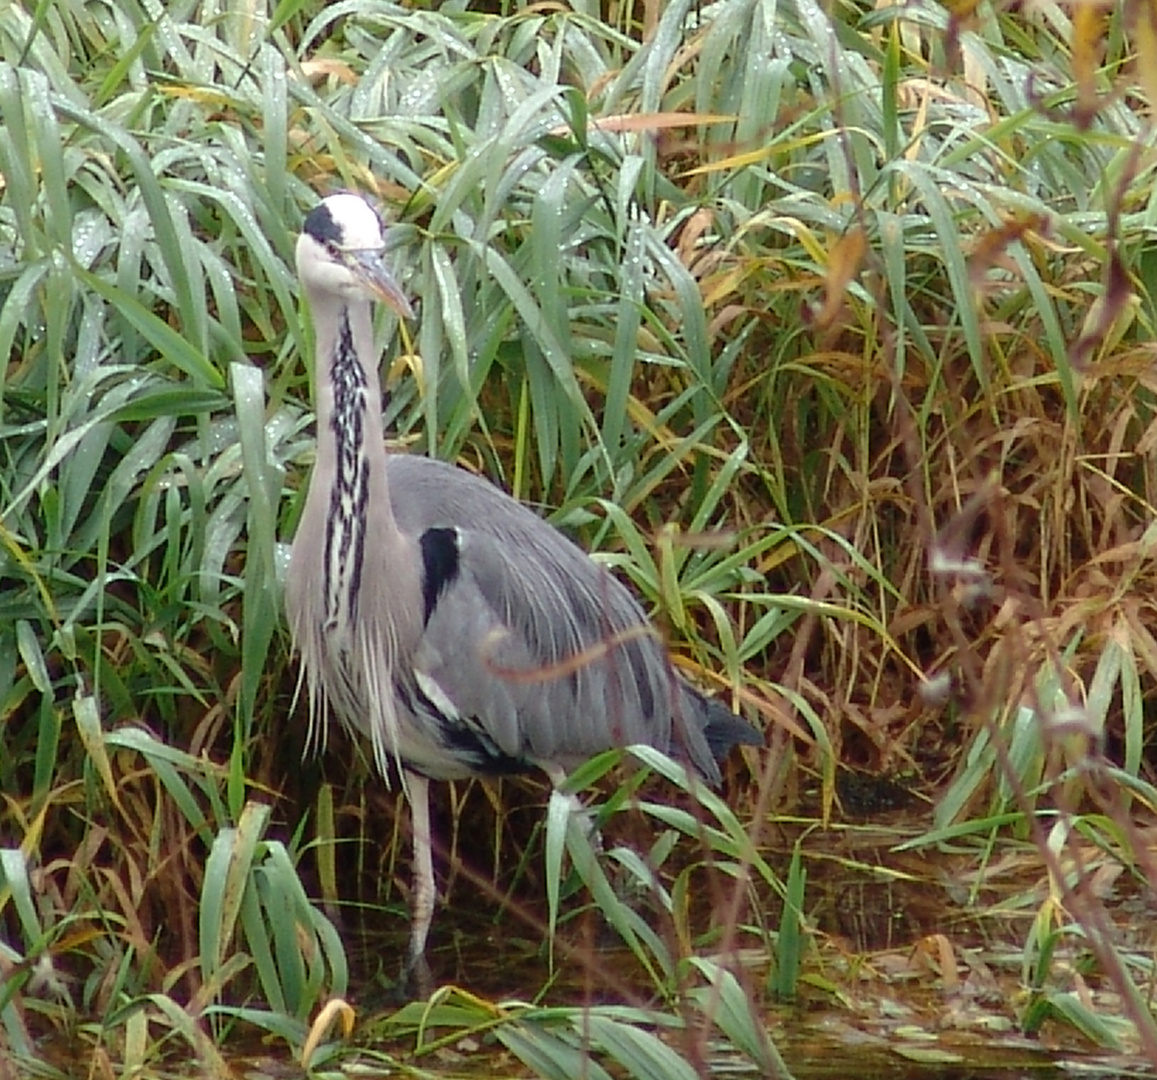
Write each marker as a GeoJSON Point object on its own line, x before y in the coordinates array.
{"type": "Point", "coordinates": [724, 731]}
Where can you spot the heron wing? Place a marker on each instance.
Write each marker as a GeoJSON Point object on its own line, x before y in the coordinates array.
{"type": "Point", "coordinates": [544, 656]}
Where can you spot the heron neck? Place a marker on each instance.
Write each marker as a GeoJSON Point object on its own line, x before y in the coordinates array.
{"type": "Point", "coordinates": [349, 485]}
{"type": "Point", "coordinates": [349, 393]}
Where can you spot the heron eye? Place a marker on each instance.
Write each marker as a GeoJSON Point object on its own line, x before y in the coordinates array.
{"type": "Point", "coordinates": [338, 253]}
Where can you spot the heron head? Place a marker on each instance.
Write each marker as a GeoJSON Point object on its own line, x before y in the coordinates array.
{"type": "Point", "coordinates": [340, 254]}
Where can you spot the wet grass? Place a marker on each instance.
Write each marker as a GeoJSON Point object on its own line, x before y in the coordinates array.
{"type": "Point", "coordinates": [829, 329]}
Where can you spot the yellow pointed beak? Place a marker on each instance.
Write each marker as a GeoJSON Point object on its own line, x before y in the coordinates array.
{"type": "Point", "coordinates": [370, 269]}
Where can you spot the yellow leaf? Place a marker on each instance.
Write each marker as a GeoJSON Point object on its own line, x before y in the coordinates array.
{"type": "Point", "coordinates": [336, 1010]}
{"type": "Point", "coordinates": [1145, 41]}
{"type": "Point", "coordinates": [1088, 46]}
{"type": "Point", "coordinates": [843, 264]}
{"type": "Point", "coordinates": [321, 68]}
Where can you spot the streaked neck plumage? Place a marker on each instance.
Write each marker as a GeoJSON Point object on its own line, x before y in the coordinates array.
{"type": "Point", "coordinates": [350, 443]}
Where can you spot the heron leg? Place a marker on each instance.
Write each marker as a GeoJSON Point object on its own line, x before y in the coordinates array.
{"type": "Point", "coordinates": [423, 892]}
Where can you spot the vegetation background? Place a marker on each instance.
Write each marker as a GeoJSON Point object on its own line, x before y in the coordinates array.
{"type": "Point", "coordinates": [829, 326]}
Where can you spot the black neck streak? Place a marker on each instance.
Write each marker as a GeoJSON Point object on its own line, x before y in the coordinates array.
{"type": "Point", "coordinates": [345, 528]}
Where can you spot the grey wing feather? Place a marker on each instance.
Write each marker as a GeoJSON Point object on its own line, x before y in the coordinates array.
{"type": "Point", "coordinates": [533, 642]}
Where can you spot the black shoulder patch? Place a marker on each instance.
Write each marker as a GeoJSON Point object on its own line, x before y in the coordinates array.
{"type": "Point", "coordinates": [464, 744]}
{"type": "Point", "coordinates": [439, 565]}
{"type": "Point", "coordinates": [319, 224]}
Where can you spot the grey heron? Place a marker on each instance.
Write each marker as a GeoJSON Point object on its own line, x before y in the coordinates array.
{"type": "Point", "coordinates": [437, 615]}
